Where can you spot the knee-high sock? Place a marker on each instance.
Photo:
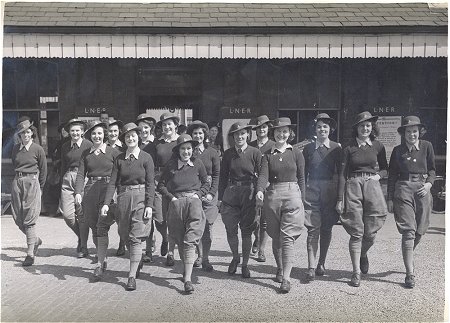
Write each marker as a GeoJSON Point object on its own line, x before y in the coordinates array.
{"type": "Point", "coordinates": [84, 233]}
{"type": "Point", "coordinates": [233, 242]}
{"type": "Point", "coordinates": [287, 256]}
{"type": "Point", "coordinates": [199, 248]}
{"type": "Point", "coordinates": [171, 245]}
{"type": "Point", "coordinates": [312, 244]}
{"type": "Point", "coordinates": [325, 240]}
{"type": "Point", "coordinates": [246, 248]}
{"type": "Point", "coordinates": [30, 232]}
{"type": "Point", "coordinates": [263, 237]}
{"type": "Point", "coordinates": [367, 243]}
{"type": "Point", "coordinates": [102, 247]}
{"type": "Point", "coordinates": [408, 253]}
{"type": "Point", "coordinates": [135, 257]}
{"type": "Point", "coordinates": [162, 229]}
{"type": "Point", "coordinates": [206, 241]}
{"type": "Point", "coordinates": [276, 249]}
{"type": "Point", "coordinates": [354, 247]}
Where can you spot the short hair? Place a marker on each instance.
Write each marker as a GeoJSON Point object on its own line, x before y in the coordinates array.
{"type": "Point", "coordinates": [373, 135]}
{"type": "Point", "coordinates": [327, 121]}
{"type": "Point", "coordinates": [290, 138]}
{"type": "Point", "coordinates": [422, 131]}
{"type": "Point", "coordinates": [205, 134]}
{"type": "Point", "coordinates": [177, 152]}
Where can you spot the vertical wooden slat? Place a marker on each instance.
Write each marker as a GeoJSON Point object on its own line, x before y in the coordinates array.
{"type": "Point", "coordinates": [129, 49]}
{"type": "Point", "coordinates": [239, 47]}
{"type": "Point", "coordinates": [442, 47]}
{"type": "Point", "coordinates": [94, 48]}
{"type": "Point", "coordinates": [180, 44]}
{"type": "Point", "coordinates": [31, 46]}
{"type": "Point", "coordinates": [191, 50]}
{"type": "Point", "coordinates": [287, 49]}
{"type": "Point", "coordinates": [117, 46]}
{"type": "Point", "coordinates": [359, 49]}
{"type": "Point", "coordinates": [203, 46]}
{"type": "Point", "coordinates": [275, 46]}
{"type": "Point", "coordinates": [142, 46]}
{"type": "Point", "coordinates": [227, 47]}
{"type": "Point", "coordinates": [8, 45]}
{"type": "Point", "coordinates": [166, 46]}
{"type": "Point", "coordinates": [347, 46]}
{"type": "Point", "coordinates": [55, 46]}
{"type": "Point", "coordinates": [154, 46]}
{"type": "Point", "coordinates": [335, 46]}
{"type": "Point", "coordinates": [383, 46]}
{"type": "Point", "coordinates": [299, 46]}
{"type": "Point", "coordinates": [80, 46]}
{"type": "Point", "coordinates": [371, 47]}
{"type": "Point", "coordinates": [68, 48]}
{"type": "Point", "coordinates": [104, 43]}
{"type": "Point", "coordinates": [408, 46]}
{"type": "Point", "coordinates": [215, 47]}
{"type": "Point", "coordinates": [395, 42]}
{"type": "Point", "coordinates": [43, 43]}
{"type": "Point", "coordinates": [323, 46]}
{"type": "Point", "coordinates": [251, 48]}
{"type": "Point", "coordinates": [430, 45]}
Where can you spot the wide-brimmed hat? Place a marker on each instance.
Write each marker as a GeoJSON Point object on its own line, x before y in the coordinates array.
{"type": "Point", "coordinates": [239, 126]}
{"type": "Point", "coordinates": [283, 122]}
{"type": "Point", "coordinates": [127, 128]}
{"type": "Point", "coordinates": [259, 121]}
{"type": "Point", "coordinates": [74, 121]}
{"type": "Point", "coordinates": [115, 122]}
{"type": "Point", "coordinates": [410, 121]}
{"type": "Point", "coordinates": [325, 116]}
{"type": "Point", "coordinates": [23, 125]}
{"type": "Point", "coordinates": [145, 117]}
{"type": "Point", "coordinates": [182, 139]}
{"type": "Point", "coordinates": [364, 116]}
{"type": "Point", "coordinates": [167, 116]}
{"type": "Point", "coordinates": [95, 124]}
{"type": "Point", "coordinates": [196, 124]}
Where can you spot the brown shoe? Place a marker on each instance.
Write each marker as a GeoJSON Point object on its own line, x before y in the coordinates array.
{"type": "Point", "coordinates": [410, 281]}
{"type": "Point", "coordinates": [245, 272]}
{"type": "Point", "coordinates": [206, 265]}
{"type": "Point", "coordinates": [188, 287]}
{"type": "Point", "coordinates": [356, 280]}
{"type": "Point", "coordinates": [28, 261]}
{"type": "Point", "coordinates": [285, 286]}
{"type": "Point", "coordinates": [170, 261]}
{"type": "Point", "coordinates": [131, 284]}
{"type": "Point", "coordinates": [320, 270]}
{"type": "Point", "coordinates": [364, 264]}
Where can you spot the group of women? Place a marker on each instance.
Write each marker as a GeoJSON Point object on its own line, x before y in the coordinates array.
{"type": "Point", "coordinates": [178, 183]}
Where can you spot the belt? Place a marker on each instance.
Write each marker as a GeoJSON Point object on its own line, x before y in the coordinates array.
{"type": "Point", "coordinates": [241, 183]}
{"type": "Point", "coordinates": [360, 174]}
{"type": "Point", "coordinates": [184, 194]}
{"type": "Point", "coordinates": [72, 169]}
{"type": "Point", "coordinates": [413, 177]}
{"type": "Point", "coordinates": [100, 178]}
{"type": "Point", "coordinates": [130, 187]}
{"type": "Point", "coordinates": [281, 184]}
{"type": "Point", "coordinates": [22, 174]}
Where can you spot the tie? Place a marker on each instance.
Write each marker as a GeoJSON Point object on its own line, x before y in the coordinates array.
{"type": "Point", "coordinates": [239, 151]}
{"type": "Point", "coordinates": [131, 157]}
{"type": "Point", "coordinates": [74, 146]}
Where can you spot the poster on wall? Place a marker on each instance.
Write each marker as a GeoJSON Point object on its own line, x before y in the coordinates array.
{"type": "Point", "coordinates": [389, 136]}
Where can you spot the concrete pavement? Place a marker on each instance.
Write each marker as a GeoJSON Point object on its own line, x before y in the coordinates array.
{"type": "Point", "coordinates": [59, 287]}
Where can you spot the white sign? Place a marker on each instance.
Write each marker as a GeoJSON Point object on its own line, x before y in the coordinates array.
{"type": "Point", "coordinates": [389, 136]}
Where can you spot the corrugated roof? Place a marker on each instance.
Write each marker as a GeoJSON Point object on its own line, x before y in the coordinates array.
{"type": "Point", "coordinates": [212, 15]}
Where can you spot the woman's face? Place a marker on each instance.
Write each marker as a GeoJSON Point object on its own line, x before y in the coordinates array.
{"type": "Point", "coordinates": [364, 130]}
{"type": "Point", "coordinates": [26, 136]}
{"type": "Point", "coordinates": [97, 136]}
{"type": "Point", "coordinates": [412, 134]}
{"type": "Point", "coordinates": [185, 151]}
{"type": "Point", "coordinates": [113, 133]}
{"type": "Point", "coordinates": [240, 137]}
{"type": "Point", "coordinates": [146, 130]}
{"type": "Point", "coordinates": [322, 130]}
{"type": "Point", "coordinates": [169, 127]}
{"type": "Point", "coordinates": [198, 135]}
{"type": "Point", "coordinates": [76, 131]}
{"type": "Point", "coordinates": [262, 131]}
{"type": "Point", "coordinates": [132, 139]}
{"type": "Point", "coordinates": [281, 134]}
{"type": "Point", "coordinates": [213, 132]}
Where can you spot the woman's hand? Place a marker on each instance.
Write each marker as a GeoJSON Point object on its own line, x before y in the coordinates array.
{"type": "Point", "coordinates": [259, 199]}
{"type": "Point", "coordinates": [78, 199]}
{"type": "Point", "coordinates": [148, 212]}
{"type": "Point", "coordinates": [390, 206]}
{"type": "Point", "coordinates": [424, 190]}
{"type": "Point", "coordinates": [375, 177]}
{"type": "Point", "coordinates": [209, 197]}
{"type": "Point", "coordinates": [340, 207]}
{"type": "Point", "coordinates": [104, 210]}
{"type": "Point", "coordinates": [195, 196]}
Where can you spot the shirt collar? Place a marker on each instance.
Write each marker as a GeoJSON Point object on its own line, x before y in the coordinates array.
{"type": "Point", "coordinates": [182, 163]}
{"type": "Point", "coordinates": [411, 146]}
{"type": "Point", "coordinates": [243, 148]}
{"type": "Point", "coordinates": [262, 142]}
{"type": "Point", "coordinates": [27, 146]}
{"type": "Point", "coordinates": [102, 148]}
{"type": "Point", "coordinates": [78, 143]}
{"type": "Point", "coordinates": [136, 151]}
{"type": "Point", "coordinates": [168, 140]}
{"type": "Point", "coordinates": [326, 143]}
{"type": "Point", "coordinates": [118, 143]}
{"type": "Point", "coordinates": [276, 150]}
{"type": "Point", "coordinates": [200, 148]}
{"type": "Point", "coordinates": [363, 142]}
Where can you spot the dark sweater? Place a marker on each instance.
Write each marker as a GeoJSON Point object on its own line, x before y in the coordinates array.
{"type": "Point", "coordinates": [71, 157]}
{"type": "Point", "coordinates": [187, 179]}
{"type": "Point", "coordinates": [133, 172]}
{"type": "Point", "coordinates": [361, 159]}
{"type": "Point", "coordinates": [30, 161]}
{"type": "Point", "coordinates": [239, 167]}
{"type": "Point", "coordinates": [211, 160]}
{"type": "Point", "coordinates": [264, 148]}
{"type": "Point", "coordinates": [322, 166]}
{"type": "Point", "coordinates": [403, 163]}
{"type": "Point", "coordinates": [163, 152]}
{"type": "Point", "coordinates": [291, 168]}
{"type": "Point", "coordinates": [92, 165]}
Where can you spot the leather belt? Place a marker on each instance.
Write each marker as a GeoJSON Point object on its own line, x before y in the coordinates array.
{"type": "Point", "coordinates": [241, 183]}
{"type": "Point", "coordinates": [100, 178]}
{"type": "Point", "coordinates": [360, 174]}
{"type": "Point", "coordinates": [131, 187]}
{"type": "Point", "coordinates": [22, 174]}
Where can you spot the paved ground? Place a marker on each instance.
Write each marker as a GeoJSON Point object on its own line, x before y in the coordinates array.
{"type": "Point", "coordinates": [59, 286]}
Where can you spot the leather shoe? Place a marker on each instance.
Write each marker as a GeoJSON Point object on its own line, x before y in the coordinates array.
{"type": "Point", "coordinates": [98, 273]}
{"type": "Point", "coordinates": [356, 280]}
{"type": "Point", "coordinates": [36, 246]}
{"type": "Point", "coordinates": [164, 248]}
{"type": "Point", "coordinates": [138, 271]}
{"type": "Point", "coordinates": [245, 272]}
{"type": "Point", "coordinates": [188, 287]}
{"type": "Point", "coordinates": [83, 253]}
{"type": "Point", "coordinates": [233, 265]}
{"type": "Point", "coordinates": [311, 275]}
{"type": "Point", "coordinates": [410, 281]}
{"type": "Point", "coordinates": [320, 270]}
{"type": "Point", "coordinates": [131, 284]}
{"type": "Point", "coordinates": [279, 275]}
{"type": "Point", "coordinates": [198, 262]}
{"type": "Point", "coordinates": [261, 257]}
{"type": "Point", "coordinates": [364, 264]}
{"type": "Point", "coordinates": [255, 247]}
{"type": "Point", "coordinates": [170, 261]}
{"type": "Point", "coordinates": [147, 257]}
{"type": "Point", "coordinates": [121, 249]}
{"type": "Point", "coordinates": [28, 261]}
{"type": "Point", "coordinates": [207, 266]}
{"type": "Point", "coordinates": [285, 286]}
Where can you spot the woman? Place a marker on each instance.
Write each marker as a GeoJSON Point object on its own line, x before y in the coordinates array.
{"type": "Point", "coordinates": [365, 206]}
{"type": "Point", "coordinates": [238, 173]}
{"type": "Point", "coordinates": [412, 172]}
{"type": "Point", "coordinates": [96, 165]}
{"type": "Point", "coordinates": [70, 158]}
{"type": "Point", "coordinates": [215, 140]}
{"type": "Point", "coordinates": [184, 182]}
{"type": "Point", "coordinates": [322, 166]}
{"type": "Point", "coordinates": [30, 164]}
{"type": "Point", "coordinates": [283, 167]}
{"type": "Point", "coordinates": [133, 177]}
{"type": "Point", "coordinates": [210, 158]}
{"type": "Point", "coordinates": [264, 144]}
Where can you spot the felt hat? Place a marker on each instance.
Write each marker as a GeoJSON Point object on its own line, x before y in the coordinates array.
{"type": "Point", "coordinates": [260, 121]}
{"type": "Point", "coordinates": [127, 128]}
{"type": "Point", "coordinates": [239, 126]}
{"type": "Point", "coordinates": [23, 125]}
{"type": "Point", "coordinates": [325, 116]}
{"type": "Point", "coordinates": [410, 121]}
{"type": "Point", "coordinates": [182, 139]}
{"type": "Point", "coordinates": [283, 122]}
{"type": "Point", "coordinates": [74, 121]}
{"type": "Point", "coordinates": [166, 116]}
{"type": "Point", "coordinates": [145, 117]}
{"type": "Point", "coordinates": [95, 124]}
{"type": "Point", "coordinates": [197, 124]}
{"type": "Point", "coordinates": [364, 116]}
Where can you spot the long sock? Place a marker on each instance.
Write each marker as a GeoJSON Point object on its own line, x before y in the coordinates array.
{"type": "Point", "coordinates": [102, 247]}
{"type": "Point", "coordinates": [408, 254]}
{"type": "Point", "coordinates": [84, 233]}
{"type": "Point", "coordinates": [135, 257]}
{"type": "Point", "coordinates": [312, 245]}
{"type": "Point", "coordinates": [206, 241]}
{"type": "Point", "coordinates": [417, 240]}
{"type": "Point", "coordinates": [325, 240]}
{"type": "Point", "coordinates": [277, 252]}
{"type": "Point", "coordinates": [171, 246]}
{"type": "Point", "coordinates": [366, 245]}
{"type": "Point", "coordinates": [263, 237]}
{"type": "Point", "coordinates": [287, 256]}
{"type": "Point", "coordinates": [246, 248]}
{"type": "Point", "coordinates": [233, 242]}
{"type": "Point", "coordinates": [199, 248]}
{"type": "Point", "coordinates": [354, 247]}
{"type": "Point", "coordinates": [30, 232]}
{"type": "Point", "coordinates": [188, 261]}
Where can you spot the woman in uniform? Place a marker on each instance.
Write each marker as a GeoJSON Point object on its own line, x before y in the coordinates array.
{"type": "Point", "coordinates": [283, 167]}
{"type": "Point", "coordinates": [70, 158]}
{"type": "Point", "coordinates": [412, 172]}
{"type": "Point", "coordinates": [30, 164]}
{"type": "Point", "coordinates": [365, 206]}
{"type": "Point", "coordinates": [96, 165]}
{"type": "Point", "coordinates": [238, 174]}
{"type": "Point", "coordinates": [133, 178]}
{"type": "Point", "coordinates": [322, 165]}
{"type": "Point", "coordinates": [210, 158]}
{"type": "Point", "coordinates": [184, 182]}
